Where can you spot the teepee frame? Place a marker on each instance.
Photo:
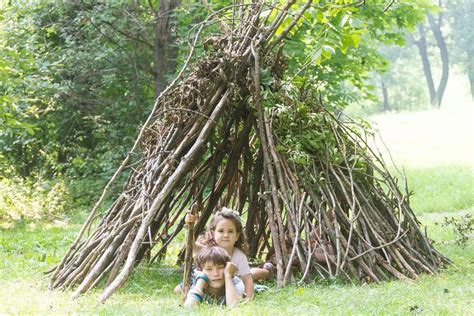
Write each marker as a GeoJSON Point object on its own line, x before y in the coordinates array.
{"type": "Point", "coordinates": [211, 141]}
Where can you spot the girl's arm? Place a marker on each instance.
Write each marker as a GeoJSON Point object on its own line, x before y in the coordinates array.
{"type": "Point", "coordinates": [197, 247]}
{"type": "Point", "coordinates": [240, 259]}
{"type": "Point", "coordinates": [248, 283]}
{"type": "Point", "coordinates": [232, 297]}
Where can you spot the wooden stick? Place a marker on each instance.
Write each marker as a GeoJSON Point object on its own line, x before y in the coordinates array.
{"type": "Point", "coordinates": [188, 257]}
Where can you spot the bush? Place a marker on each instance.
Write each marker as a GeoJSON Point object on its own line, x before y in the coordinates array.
{"type": "Point", "coordinates": [463, 227]}
{"type": "Point", "coordinates": [24, 199]}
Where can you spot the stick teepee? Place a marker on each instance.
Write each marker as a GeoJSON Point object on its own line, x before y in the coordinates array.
{"type": "Point", "coordinates": [310, 189]}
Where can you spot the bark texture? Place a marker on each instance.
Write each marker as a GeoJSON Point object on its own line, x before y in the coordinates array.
{"type": "Point", "coordinates": [164, 48]}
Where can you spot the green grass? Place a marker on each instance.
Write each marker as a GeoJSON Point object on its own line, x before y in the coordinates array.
{"type": "Point", "coordinates": [441, 188]}
{"type": "Point", "coordinates": [26, 250]}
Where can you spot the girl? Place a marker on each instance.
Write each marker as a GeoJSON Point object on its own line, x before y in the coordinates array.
{"type": "Point", "coordinates": [215, 282]}
{"type": "Point", "coordinates": [226, 231]}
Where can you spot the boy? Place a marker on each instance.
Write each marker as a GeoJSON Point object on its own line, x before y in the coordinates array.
{"type": "Point", "coordinates": [215, 281]}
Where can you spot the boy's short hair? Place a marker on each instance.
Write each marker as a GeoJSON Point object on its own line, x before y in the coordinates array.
{"type": "Point", "coordinates": [214, 254]}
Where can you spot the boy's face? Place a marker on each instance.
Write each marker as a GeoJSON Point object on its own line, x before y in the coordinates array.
{"type": "Point", "coordinates": [215, 273]}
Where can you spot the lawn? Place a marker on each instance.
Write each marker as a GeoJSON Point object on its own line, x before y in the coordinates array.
{"type": "Point", "coordinates": [443, 187]}
{"type": "Point", "coordinates": [28, 249]}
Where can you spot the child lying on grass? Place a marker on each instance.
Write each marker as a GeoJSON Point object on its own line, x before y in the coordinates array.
{"type": "Point", "coordinates": [227, 232]}
{"type": "Point", "coordinates": [215, 281]}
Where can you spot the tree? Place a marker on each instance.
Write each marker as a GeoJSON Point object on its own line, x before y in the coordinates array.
{"type": "Point", "coordinates": [436, 29]}
{"type": "Point", "coordinates": [99, 62]}
{"type": "Point", "coordinates": [404, 90]}
{"type": "Point", "coordinates": [422, 47]}
{"type": "Point", "coordinates": [436, 93]}
{"type": "Point", "coordinates": [77, 70]}
{"type": "Point", "coordinates": [81, 71]}
{"type": "Point", "coordinates": [341, 63]}
{"type": "Point", "coordinates": [165, 47]}
{"type": "Point", "coordinates": [460, 14]}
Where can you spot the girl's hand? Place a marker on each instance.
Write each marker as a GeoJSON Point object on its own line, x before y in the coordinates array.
{"type": "Point", "coordinates": [230, 269]}
{"type": "Point", "coordinates": [190, 218]}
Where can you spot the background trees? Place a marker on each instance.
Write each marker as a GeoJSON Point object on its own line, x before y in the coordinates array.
{"type": "Point", "coordinates": [82, 80]}
{"type": "Point", "coordinates": [460, 15]}
{"type": "Point", "coordinates": [440, 43]}
{"type": "Point", "coordinates": [78, 78]}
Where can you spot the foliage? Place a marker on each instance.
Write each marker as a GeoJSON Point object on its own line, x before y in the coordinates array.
{"type": "Point", "coordinates": [463, 226]}
{"type": "Point", "coordinates": [75, 82]}
{"type": "Point", "coordinates": [305, 130]}
{"type": "Point", "coordinates": [336, 50]}
{"type": "Point", "coordinates": [77, 70]}
{"type": "Point", "coordinates": [20, 199]}
{"type": "Point", "coordinates": [404, 80]}
{"type": "Point", "coordinates": [49, 199]}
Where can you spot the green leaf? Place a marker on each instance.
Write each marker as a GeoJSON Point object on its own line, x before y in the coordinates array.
{"type": "Point", "coordinates": [346, 43]}
{"type": "Point", "coordinates": [328, 51]}
{"type": "Point", "coordinates": [344, 20]}
{"type": "Point", "coordinates": [266, 78]}
{"type": "Point", "coordinates": [316, 56]}
{"type": "Point", "coordinates": [12, 122]}
{"type": "Point", "coordinates": [320, 17]}
{"type": "Point", "coordinates": [355, 39]}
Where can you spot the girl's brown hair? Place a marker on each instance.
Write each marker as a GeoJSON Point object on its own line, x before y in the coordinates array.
{"type": "Point", "coordinates": [226, 213]}
{"type": "Point", "coordinates": [216, 255]}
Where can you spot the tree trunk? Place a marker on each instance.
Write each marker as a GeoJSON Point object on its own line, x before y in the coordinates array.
{"type": "Point", "coordinates": [385, 105]}
{"type": "Point", "coordinates": [421, 43]}
{"type": "Point", "coordinates": [470, 71]}
{"type": "Point", "coordinates": [436, 28]}
{"type": "Point", "coordinates": [165, 51]}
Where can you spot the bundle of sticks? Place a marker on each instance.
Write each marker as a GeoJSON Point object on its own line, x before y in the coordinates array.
{"type": "Point", "coordinates": [212, 140]}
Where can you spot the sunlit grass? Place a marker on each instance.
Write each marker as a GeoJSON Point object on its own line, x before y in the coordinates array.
{"type": "Point", "coordinates": [435, 150]}
{"type": "Point", "coordinates": [429, 138]}
{"type": "Point", "coordinates": [440, 188]}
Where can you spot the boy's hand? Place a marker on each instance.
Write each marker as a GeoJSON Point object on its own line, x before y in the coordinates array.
{"type": "Point", "coordinates": [190, 218]}
{"type": "Point", "coordinates": [230, 269]}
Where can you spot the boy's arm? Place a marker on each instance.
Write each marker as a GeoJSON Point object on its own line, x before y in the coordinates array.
{"type": "Point", "coordinates": [248, 283]}
{"type": "Point", "coordinates": [232, 297]}
{"type": "Point", "coordinates": [195, 294]}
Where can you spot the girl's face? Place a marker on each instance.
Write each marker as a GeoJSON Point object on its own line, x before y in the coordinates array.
{"type": "Point", "coordinates": [225, 234]}
{"type": "Point", "coordinates": [215, 273]}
